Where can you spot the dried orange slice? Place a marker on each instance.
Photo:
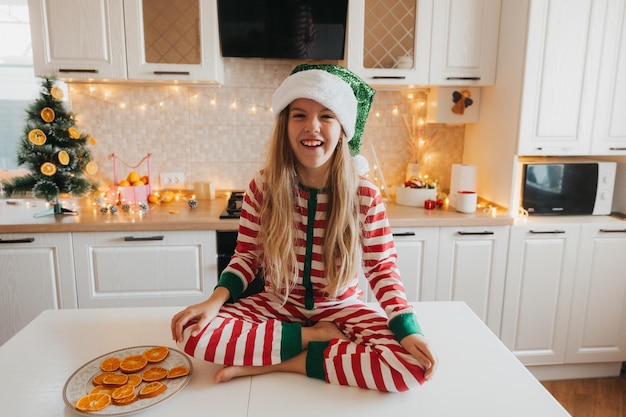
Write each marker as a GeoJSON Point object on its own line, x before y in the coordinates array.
{"type": "Point", "coordinates": [156, 354]}
{"type": "Point", "coordinates": [177, 372]}
{"type": "Point", "coordinates": [93, 402]}
{"type": "Point", "coordinates": [91, 168]}
{"type": "Point", "coordinates": [134, 379]}
{"type": "Point", "coordinates": [103, 389]}
{"type": "Point", "coordinates": [155, 373]}
{"type": "Point", "coordinates": [73, 132]}
{"type": "Point", "coordinates": [56, 92]}
{"type": "Point", "coordinates": [110, 364]}
{"type": "Point", "coordinates": [47, 114]}
{"type": "Point", "coordinates": [48, 169]}
{"type": "Point", "coordinates": [91, 140]}
{"type": "Point", "coordinates": [115, 379]}
{"type": "Point", "coordinates": [133, 363]}
{"type": "Point", "coordinates": [99, 379]}
{"type": "Point", "coordinates": [37, 137]}
{"type": "Point", "coordinates": [64, 159]}
{"type": "Point", "coordinates": [126, 400]}
{"type": "Point", "coordinates": [152, 389]}
{"type": "Point", "coordinates": [123, 392]}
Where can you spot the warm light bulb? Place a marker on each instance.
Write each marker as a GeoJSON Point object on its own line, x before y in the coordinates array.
{"type": "Point", "coordinates": [395, 111]}
{"type": "Point", "coordinates": [233, 105]}
{"type": "Point", "coordinates": [122, 105]}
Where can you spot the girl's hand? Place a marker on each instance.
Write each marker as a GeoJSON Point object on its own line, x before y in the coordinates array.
{"type": "Point", "coordinates": [201, 313]}
{"type": "Point", "coordinates": [418, 346]}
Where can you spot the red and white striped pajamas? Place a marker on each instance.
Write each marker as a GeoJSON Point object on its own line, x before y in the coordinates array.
{"type": "Point", "coordinates": [262, 330]}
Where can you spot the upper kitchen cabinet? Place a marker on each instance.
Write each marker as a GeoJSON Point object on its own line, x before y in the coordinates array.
{"type": "Point", "coordinates": [424, 42]}
{"type": "Point", "coordinates": [464, 42]}
{"type": "Point", "coordinates": [138, 40]}
{"type": "Point", "coordinates": [574, 94]}
{"type": "Point", "coordinates": [389, 41]}
{"type": "Point", "coordinates": [77, 39]}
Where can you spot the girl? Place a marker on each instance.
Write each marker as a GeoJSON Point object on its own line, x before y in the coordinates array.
{"type": "Point", "coordinates": [309, 222]}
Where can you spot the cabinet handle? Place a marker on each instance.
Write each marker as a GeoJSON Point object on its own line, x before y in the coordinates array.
{"type": "Point", "coordinates": [612, 230]}
{"type": "Point", "coordinates": [24, 240]}
{"type": "Point", "coordinates": [554, 149]}
{"type": "Point", "coordinates": [403, 234]}
{"type": "Point", "coordinates": [142, 239]}
{"type": "Point", "coordinates": [463, 78]}
{"type": "Point", "coordinates": [171, 72]}
{"type": "Point", "coordinates": [612, 148]}
{"type": "Point", "coordinates": [547, 232]}
{"type": "Point", "coordinates": [89, 71]}
{"type": "Point", "coordinates": [485, 233]}
{"type": "Point", "coordinates": [389, 77]}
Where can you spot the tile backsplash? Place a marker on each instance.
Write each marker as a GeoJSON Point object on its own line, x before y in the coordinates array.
{"type": "Point", "coordinates": [221, 134]}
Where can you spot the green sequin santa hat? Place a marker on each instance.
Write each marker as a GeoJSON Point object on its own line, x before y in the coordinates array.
{"type": "Point", "coordinates": [339, 90]}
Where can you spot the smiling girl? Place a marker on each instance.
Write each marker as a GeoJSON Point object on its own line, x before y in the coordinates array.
{"type": "Point", "coordinates": [310, 222]}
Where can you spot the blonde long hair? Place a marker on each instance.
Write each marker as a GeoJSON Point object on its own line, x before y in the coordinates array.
{"type": "Point", "coordinates": [341, 247]}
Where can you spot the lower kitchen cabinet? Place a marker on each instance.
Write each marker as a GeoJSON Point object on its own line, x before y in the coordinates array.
{"type": "Point", "coordinates": [36, 274]}
{"type": "Point", "coordinates": [472, 268]}
{"type": "Point", "coordinates": [537, 299]}
{"type": "Point", "coordinates": [119, 269]}
{"type": "Point", "coordinates": [597, 330]}
{"type": "Point", "coordinates": [417, 262]}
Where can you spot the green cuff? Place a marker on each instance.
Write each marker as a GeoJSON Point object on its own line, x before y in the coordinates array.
{"type": "Point", "coordinates": [232, 282]}
{"type": "Point", "coordinates": [291, 340]}
{"type": "Point", "coordinates": [404, 325]}
{"type": "Point", "coordinates": [315, 360]}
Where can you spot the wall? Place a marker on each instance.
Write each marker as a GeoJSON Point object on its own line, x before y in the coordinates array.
{"type": "Point", "coordinates": [221, 134]}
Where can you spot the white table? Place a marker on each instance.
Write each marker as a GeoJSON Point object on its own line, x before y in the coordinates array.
{"type": "Point", "coordinates": [477, 376]}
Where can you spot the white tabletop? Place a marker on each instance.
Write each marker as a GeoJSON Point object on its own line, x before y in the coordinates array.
{"type": "Point", "coordinates": [477, 376]}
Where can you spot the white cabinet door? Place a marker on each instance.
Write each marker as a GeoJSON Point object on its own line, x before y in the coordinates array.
{"type": "Point", "coordinates": [417, 261]}
{"type": "Point", "coordinates": [116, 269]}
{"type": "Point", "coordinates": [36, 274]}
{"type": "Point", "coordinates": [464, 42]}
{"type": "Point", "coordinates": [609, 129]}
{"type": "Point", "coordinates": [597, 331]}
{"type": "Point", "coordinates": [389, 42]}
{"type": "Point", "coordinates": [78, 39]}
{"type": "Point", "coordinates": [169, 40]}
{"type": "Point", "coordinates": [537, 298]}
{"type": "Point", "coordinates": [562, 55]}
{"type": "Point", "coordinates": [471, 268]}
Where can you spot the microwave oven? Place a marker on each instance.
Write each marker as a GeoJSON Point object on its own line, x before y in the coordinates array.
{"type": "Point", "coordinates": [568, 188]}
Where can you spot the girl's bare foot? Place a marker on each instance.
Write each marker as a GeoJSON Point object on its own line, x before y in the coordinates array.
{"type": "Point", "coordinates": [322, 331]}
{"type": "Point", "coordinates": [229, 372]}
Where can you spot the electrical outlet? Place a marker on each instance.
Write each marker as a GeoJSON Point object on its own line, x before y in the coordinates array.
{"type": "Point", "coordinates": [172, 180]}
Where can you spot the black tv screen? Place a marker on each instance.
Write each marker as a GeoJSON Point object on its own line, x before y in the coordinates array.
{"type": "Point", "coordinates": [283, 29]}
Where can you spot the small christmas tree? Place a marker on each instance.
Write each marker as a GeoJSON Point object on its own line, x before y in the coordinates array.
{"type": "Point", "coordinates": [53, 149]}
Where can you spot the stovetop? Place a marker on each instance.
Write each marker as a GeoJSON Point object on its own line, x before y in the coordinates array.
{"type": "Point", "coordinates": [233, 208]}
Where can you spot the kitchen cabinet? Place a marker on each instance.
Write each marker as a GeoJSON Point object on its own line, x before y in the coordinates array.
{"type": "Point", "coordinates": [597, 330]}
{"type": "Point", "coordinates": [609, 124]}
{"type": "Point", "coordinates": [389, 42]}
{"type": "Point", "coordinates": [417, 261]}
{"type": "Point", "coordinates": [471, 268]}
{"type": "Point", "coordinates": [538, 293]}
{"type": "Point", "coordinates": [424, 42]}
{"type": "Point", "coordinates": [36, 274]}
{"type": "Point", "coordinates": [127, 40]}
{"type": "Point", "coordinates": [464, 42]}
{"type": "Point", "coordinates": [144, 268]}
{"type": "Point", "coordinates": [573, 87]}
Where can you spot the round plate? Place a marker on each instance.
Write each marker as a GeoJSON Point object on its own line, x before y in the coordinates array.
{"type": "Point", "coordinates": [80, 382]}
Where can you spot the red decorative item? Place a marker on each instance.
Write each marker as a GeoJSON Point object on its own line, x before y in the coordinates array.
{"type": "Point", "coordinates": [430, 204]}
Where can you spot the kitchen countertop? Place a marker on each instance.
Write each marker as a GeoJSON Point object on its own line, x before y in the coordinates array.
{"type": "Point", "coordinates": [477, 375]}
{"type": "Point", "coordinates": [18, 217]}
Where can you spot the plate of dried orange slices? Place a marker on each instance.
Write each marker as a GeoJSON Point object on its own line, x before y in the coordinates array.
{"type": "Point", "coordinates": [126, 381]}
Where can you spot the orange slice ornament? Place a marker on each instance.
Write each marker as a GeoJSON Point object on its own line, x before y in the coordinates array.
{"type": "Point", "coordinates": [73, 132]}
{"type": "Point", "coordinates": [56, 92]}
{"type": "Point", "coordinates": [91, 168]}
{"type": "Point", "coordinates": [47, 114]}
{"type": "Point", "coordinates": [156, 354]}
{"type": "Point", "coordinates": [64, 159]}
{"type": "Point", "coordinates": [177, 372]}
{"type": "Point", "coordinates": [48, 169]}
{"type": "Point", "coordinates": [152, 389]}
{"type": "Point", "coordinates": [37, 137]}
{"type": "Point", "coordinates": [133, 363]}
{"type": "Point", "coordinates": [155, 373]}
